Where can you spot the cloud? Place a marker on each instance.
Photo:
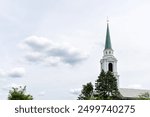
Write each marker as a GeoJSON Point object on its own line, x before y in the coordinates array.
{"type": "Point", "coordinates": [9, 86]}
{"type": "Point", "coordinates": [34, 56]}
{"type": "Point", "coordinates": [43, 50]}
{"type": "Point", "coordinates": [75, 91]}
{"type": "Point", "coordinates": [42, 93]}
{"type": "Point", "coordinates": [37, 43]}
{"type": "Point", "coordinates": [3, 80]}
{"type": "Point", "coordinates": [14, 72]}
{"type": "Point", "coordinates": [2, 73]}
{"type": "Point", "coordinates": [17, 72]}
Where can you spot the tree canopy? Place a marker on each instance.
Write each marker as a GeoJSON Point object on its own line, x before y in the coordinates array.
{"type": "Point", "coordinates": [144, 96]}
{"type": "Point", "coordinates": [19, 94]}
{"type": "Point", "coordinates": [106, 88]}
{"type": "Point", "coordinates": [87, 92]}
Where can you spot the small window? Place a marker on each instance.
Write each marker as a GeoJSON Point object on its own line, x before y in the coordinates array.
{"type": "Point", "coordinates": [110, 67]}
{"type": "Point", "coordinates": [106, 52]}
{"type": "Point", "coordinates": [109, 52]}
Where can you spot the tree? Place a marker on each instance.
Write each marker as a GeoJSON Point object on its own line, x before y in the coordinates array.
{"type": "Point", "coordinates": [100, 84]}
{"type": "Point", "coordinates": [144, 96]}
{"type": "Point", "coordinates": [106, 87]}
{"type": "Point", "coordinates": [19, 94]}
{"type": "Point", "coordinates": [87, 92]}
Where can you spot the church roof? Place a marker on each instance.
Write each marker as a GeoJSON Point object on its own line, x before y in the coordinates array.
{"type": "Point", "coordinates": [108, 41]}
{"type": "Point", "coordinates": [132, 93]}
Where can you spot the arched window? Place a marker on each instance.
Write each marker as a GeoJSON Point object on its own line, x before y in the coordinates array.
{"type": "Point", "coordinates": [110, 67]}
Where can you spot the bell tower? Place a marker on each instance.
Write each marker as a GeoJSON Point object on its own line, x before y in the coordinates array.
{"type": "Point", "coordinates": [109, 62]}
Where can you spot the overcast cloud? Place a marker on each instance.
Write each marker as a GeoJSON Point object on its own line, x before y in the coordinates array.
{"type": "Point", "coordinates": [16, 72]}
{"type": "Point", "coordinates": [61, 44]}
{"type": "Point", "coordinates": [75, 91]}
{"type": "Point", "coordinates": [43, 50]}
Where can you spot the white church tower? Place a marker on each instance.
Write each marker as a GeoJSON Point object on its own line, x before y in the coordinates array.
{"type": "Point", "coordinates": [109, 62]}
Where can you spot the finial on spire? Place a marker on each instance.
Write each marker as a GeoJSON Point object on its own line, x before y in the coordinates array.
{"type": "Point", "coordinates": [107, 20]}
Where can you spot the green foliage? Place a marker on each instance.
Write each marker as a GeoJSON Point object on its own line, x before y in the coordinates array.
{"type": "Point", "coordinates": [87, 92]}
{"type": "Point", "coordinates": [144, 96]}
{"type": "Point", "coordinates": [100, 84]}
{"type": "Point", "coordinates": [19, 94]}
{"type": "Point", "coordinates": [106, 87]}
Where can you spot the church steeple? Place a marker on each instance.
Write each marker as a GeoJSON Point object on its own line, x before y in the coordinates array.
{"type": "Point", "coordinates": [108, 51]}
{"type": "Point", "coordinates": [109, 62]}
{"type": "Point", "coordinates": [108, 41]}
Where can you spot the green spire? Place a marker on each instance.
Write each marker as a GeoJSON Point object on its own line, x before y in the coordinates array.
{"type": "Point", "coordinates": [108, 41]}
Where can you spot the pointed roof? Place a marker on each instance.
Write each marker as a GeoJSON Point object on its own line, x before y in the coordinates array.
{"type": "Point", "coordinates": [108, 41]}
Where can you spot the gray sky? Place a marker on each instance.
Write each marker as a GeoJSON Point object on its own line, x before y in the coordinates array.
{"type": "Point", "coordinates": [54, 46]}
